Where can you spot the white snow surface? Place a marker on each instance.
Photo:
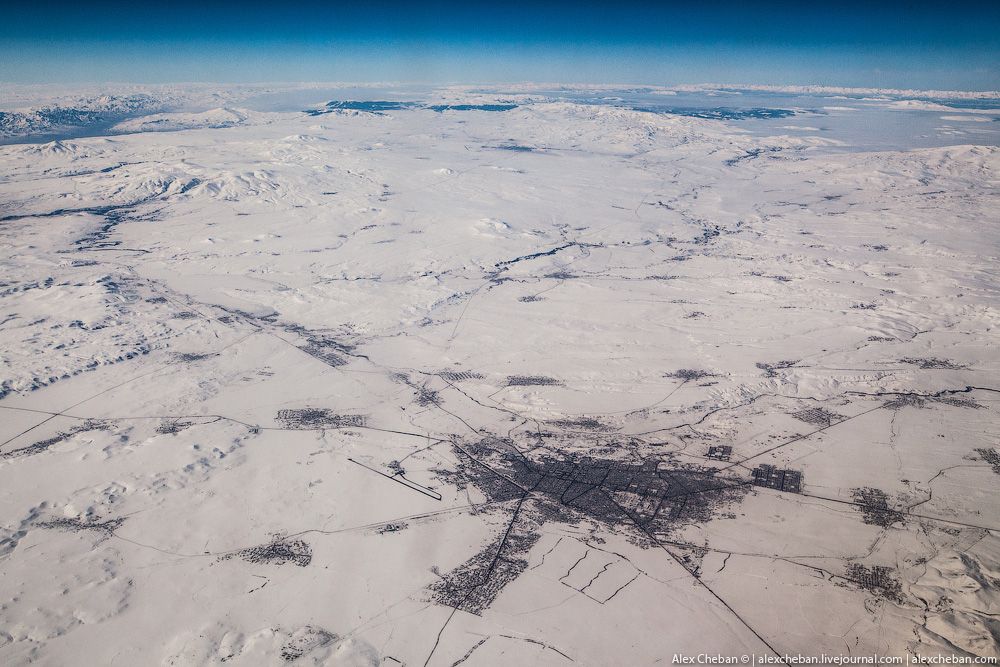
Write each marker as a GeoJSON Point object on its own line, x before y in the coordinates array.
{"type": "Point", "coordinates": [271, 381]}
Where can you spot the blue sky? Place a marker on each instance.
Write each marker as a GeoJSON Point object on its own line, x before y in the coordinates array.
{"type": "Point", "coordinates": [954, 45]}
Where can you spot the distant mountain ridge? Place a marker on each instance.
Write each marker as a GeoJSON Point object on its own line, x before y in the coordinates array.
{"type": "Point", "coordinates": [102, 109]}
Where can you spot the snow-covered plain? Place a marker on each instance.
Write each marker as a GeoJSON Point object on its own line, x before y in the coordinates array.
{"type": "Point", "coordinates": [440, 387]}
